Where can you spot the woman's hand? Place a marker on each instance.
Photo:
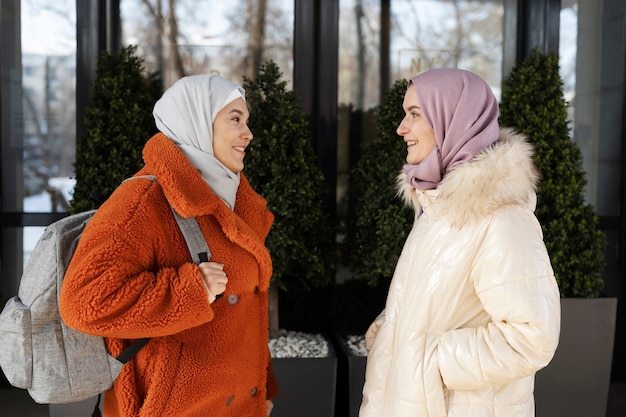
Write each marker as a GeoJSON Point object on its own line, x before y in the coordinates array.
{"type": "Point", "coordinates": [214, 279]}
{"type": "Point", "coordinates": [269, 405]}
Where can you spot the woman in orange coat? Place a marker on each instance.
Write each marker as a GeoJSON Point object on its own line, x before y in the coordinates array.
{"type": "Point", "coordinates": [132, 275]}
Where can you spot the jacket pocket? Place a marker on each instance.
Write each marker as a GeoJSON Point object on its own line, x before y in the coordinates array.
{"type": "Point", "coordinates": [416, 382]}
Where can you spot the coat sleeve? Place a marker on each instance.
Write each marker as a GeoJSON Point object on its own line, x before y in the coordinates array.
{"type": "Point", "coordinates": [515, 282]}
{"type": "Point", "coordinates": [131, 275]}
{"type": "Point", "coordinates": [372, 331]}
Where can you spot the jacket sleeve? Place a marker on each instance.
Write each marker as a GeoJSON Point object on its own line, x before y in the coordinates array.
{"type": "Point", "coordinates": [131, 275]}
{"type": "Point", "coordinates": [372, 331]}
{"type": "Point", "coordinates": [515, 282]}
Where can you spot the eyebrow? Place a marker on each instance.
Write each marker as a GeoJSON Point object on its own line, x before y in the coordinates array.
{"type": "Point", "coordinates": [413, 107]}
{"type": "Point", "coordinates": [240, 112]}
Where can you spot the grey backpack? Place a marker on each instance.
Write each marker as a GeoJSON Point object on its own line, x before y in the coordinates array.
{"type": "Point", "coordinates": [38, 351]}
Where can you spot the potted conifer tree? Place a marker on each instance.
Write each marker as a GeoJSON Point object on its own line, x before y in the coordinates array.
{"type": "Point", "coordinates": [281, 165]}
{"type": "Point", "coordinates": [379, 221]}
{"type": "Point", "coordinates": [118, 122]}
{"type": "Point", "coordinates": [576, 382]}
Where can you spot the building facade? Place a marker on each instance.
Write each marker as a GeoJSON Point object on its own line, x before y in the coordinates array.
{"type": "Point", "coordinates": [336, 55]}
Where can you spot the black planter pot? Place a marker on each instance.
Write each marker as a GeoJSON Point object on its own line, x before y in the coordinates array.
{"type": "Point", "coordinates": [307, 386]}
{"type": "Point", "coordinates": [350, 378]}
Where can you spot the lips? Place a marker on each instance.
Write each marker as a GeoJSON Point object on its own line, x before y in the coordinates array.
{"type": "Point", "coordinates": [411, 143]}
{"type": "Point", "coordinates": [240, 148]}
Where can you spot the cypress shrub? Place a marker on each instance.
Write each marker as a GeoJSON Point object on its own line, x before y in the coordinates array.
{"type": "Point", "coordinates": [379, 221]}
{"type": "Point", "coordinates": [282, 166]}
{"type": "Point", "coordinates": [533, 103]}
{"type": "Point", "coordinates": [118, 122]}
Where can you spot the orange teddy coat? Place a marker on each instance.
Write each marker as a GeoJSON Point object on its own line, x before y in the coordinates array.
{"type": "Point", "coordinates": [132, 277]}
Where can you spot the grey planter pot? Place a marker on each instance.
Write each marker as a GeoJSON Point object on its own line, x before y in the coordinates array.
{"type": "Point", "coordinates": [350, 378]}
{"type": "Point", "coordinates": [576, 382]}
{"type": "Point", "coordinates": [307, 386]}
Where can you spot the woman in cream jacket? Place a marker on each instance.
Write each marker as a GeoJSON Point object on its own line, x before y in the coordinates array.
{"type": "Point", "coordinates": [473, 309]}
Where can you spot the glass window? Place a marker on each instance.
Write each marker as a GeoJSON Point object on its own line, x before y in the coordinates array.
{"type": "Point", "coordinates": [427, 34]}
{"type": "Point", "coordinates": [359, 53]}
{"type": "Point", "coordinates": [31, 235]}
{"type": "Point", "coordinates": [591, 76]}
{"type": "Point", "coordinates": [568, 34]}
{"type": "Point", "coordinates": [46, 136]}
{"type": "Point", "coordinates": [228, 38]}
{"type": "Point", "coordinates": [48, 80]}
{"type": "Point", "coordinates": [424, 34]}
{"type": "Point", "coordinates": [591, 60]}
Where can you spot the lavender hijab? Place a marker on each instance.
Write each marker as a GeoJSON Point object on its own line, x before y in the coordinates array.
{"type": "Point", "coordinates": [463, 112]}
{"type": "Point", "coordinates": [185, 114]}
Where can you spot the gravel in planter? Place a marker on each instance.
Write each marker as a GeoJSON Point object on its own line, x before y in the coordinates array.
{"type": "Point", "coordinates": [292, 344]}
{"type": "Point", "coordinates": [356, 344]}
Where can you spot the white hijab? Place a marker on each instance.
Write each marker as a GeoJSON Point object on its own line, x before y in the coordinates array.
{"type": "Point", "coordinates": [185, 114]}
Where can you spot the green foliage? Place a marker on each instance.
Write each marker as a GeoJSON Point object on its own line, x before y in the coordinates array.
{"type": "Point", "coordinates": [533, 104]}
{"type": "Point", "coordinates": [379, 222]}
{"type": "Point", "coordinates": [281, 165]}
{"type": "Point", "coordinates": [118, 122]}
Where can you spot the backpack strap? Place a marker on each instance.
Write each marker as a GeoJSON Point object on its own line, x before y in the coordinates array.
{"type": "Point", "coordinates": [96, 410]}
{"type": "Point", "coordinates": [196, 242]}
{"type": "Point", "coordinates": [131, 350]}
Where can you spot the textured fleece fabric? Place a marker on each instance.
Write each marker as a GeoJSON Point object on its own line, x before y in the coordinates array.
{"type": "Point", "coordinates": [132, 277]}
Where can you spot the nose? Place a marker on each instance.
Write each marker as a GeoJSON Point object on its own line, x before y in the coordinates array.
{"type": "Point", "coordinates": [401, 130]}
{"type": "Point", "coordinates": [247, 134]}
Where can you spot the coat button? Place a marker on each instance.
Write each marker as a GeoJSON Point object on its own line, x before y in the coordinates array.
{"type": "Point", "coordinates": [256, 289]}
{"type": "Point", "coordinates": [230, 400]}
{"type": "Point", "coordinates": [233, 299]}
{"type": "Point", "coordinates": [253, 391]}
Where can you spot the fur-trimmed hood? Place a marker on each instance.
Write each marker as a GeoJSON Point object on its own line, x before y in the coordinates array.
{"type": "Point", "coordinates": [502, 174]}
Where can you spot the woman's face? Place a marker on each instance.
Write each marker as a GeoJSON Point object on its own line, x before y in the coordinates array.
{"type": "Point", "coordinates": [231, 135]}
{"type": "Point", "coordinates": [418, 135]}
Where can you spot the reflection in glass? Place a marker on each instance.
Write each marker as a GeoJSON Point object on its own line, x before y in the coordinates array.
{"type": "Point", "coordinates": [429, 34]}
{"type": "Point", "coordinates": [359, 53]}
{"type": "Point", "coordinates": [31, 236]}
{"type": "Point", "coordinates": [568, 38]}
{"type": "Point", "coordinates": [48, 92]}
{"type": "Point", "coordinates": [424, 34]}
{"type": "Point", "coordinates": [228, 38]}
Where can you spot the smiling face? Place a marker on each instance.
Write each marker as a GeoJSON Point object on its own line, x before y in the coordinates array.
{"type": "Point", "coordinates": [418, 135]}
{"type": "Point", "coordinates": [231, 135]}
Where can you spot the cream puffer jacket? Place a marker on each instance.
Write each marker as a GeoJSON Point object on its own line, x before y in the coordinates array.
{"type": "Point", "coordinates": [473, 309]}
